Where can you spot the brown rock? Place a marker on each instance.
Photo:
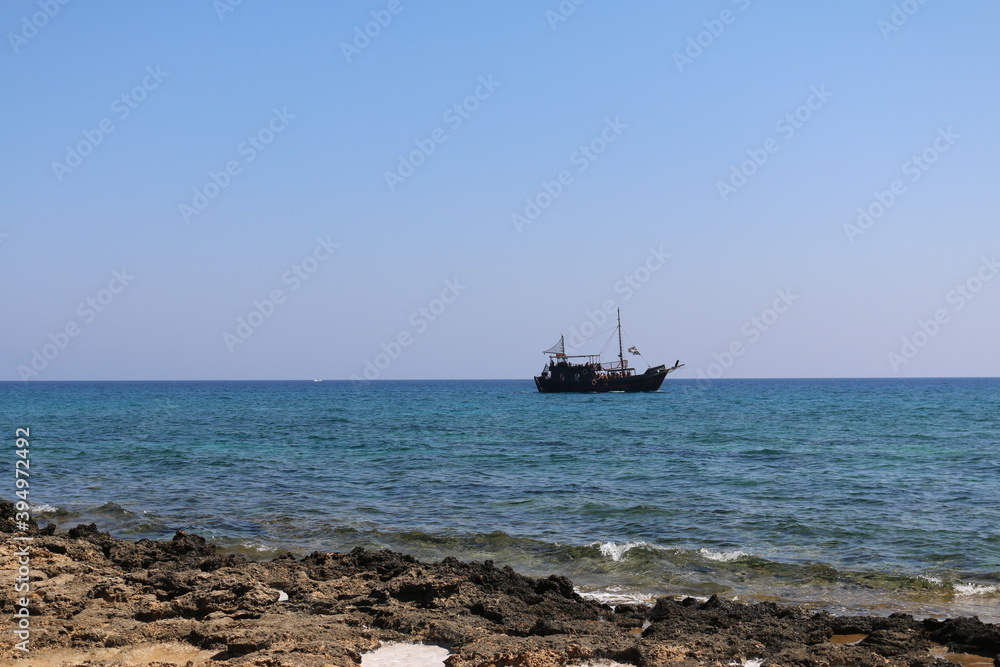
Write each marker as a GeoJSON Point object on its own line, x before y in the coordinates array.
{"type": "Point", "coordinates": [98, 600]}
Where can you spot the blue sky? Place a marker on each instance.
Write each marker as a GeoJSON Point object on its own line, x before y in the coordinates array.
{"type": "Point", "coordinates": [199, 190]}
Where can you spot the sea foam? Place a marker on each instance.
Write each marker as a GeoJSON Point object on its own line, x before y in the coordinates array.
{"type": "Point", "coordinates": [616, 551]}
{"type": "Point", "coordinates": [723, 556]}
{"type": "Point", "coordinates": [969, 589]}
{"type": "Point", "coordinates": [613, 595]}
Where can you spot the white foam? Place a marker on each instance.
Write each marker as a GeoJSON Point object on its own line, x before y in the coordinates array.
{"type": "Point", "coordinates": [613, 595]}
{"type": "Point", "coordinates": [44, 508]}
{"type": "Point", "coordinates": [974, 589]}
{"type": "Point", "coordinates": [722, 556]}
{"type": "Point", "coordinates": [753, 662]}
{"type": "Point", "coordinates": [617, 551]}
{"type": "Point", "coordinates": [405, 655]}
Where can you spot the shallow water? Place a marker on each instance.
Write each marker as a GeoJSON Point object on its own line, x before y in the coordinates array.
{"type": "Point", "coordinates": [848, 495]}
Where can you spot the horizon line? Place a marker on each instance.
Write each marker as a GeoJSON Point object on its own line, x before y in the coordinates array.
{"type": "Point", "coordinates": [521, 379]}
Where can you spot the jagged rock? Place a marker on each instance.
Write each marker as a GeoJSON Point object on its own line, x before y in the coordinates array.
{"type": "Point", "coordinates": [104, 601]}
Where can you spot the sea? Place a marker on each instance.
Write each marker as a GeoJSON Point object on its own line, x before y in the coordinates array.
{"type": "Point", "coordinates": [865, 496]}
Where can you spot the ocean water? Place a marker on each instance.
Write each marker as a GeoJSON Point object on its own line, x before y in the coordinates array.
{"type": "Point", "coordinates": [868, 496]}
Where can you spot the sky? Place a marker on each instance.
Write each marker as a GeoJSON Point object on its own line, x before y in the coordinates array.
{"type": "Point", "coordinates": [407, 189]}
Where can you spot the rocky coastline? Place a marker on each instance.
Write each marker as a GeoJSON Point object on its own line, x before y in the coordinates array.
{"type": "Point", "coordinates": [98, 600]}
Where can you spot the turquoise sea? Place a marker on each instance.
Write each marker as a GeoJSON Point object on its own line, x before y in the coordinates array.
{"type": "Point", "coordinates": [847, 495]}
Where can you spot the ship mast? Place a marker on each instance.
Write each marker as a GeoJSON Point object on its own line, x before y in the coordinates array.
{"type": "Point", "coordinates": [621, 355]}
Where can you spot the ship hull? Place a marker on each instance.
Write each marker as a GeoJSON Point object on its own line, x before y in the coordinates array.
{"type": "Point", "coordinates": [648, 381]}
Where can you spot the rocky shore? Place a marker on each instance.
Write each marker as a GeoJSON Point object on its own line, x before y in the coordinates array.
{"type": "Point", "coordinates": [101, 601]}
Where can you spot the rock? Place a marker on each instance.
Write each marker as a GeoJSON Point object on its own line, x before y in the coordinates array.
{"type": "Point", "coordinates": [102, 594]}
{"type": "Point", "coordinates": [965, 635]}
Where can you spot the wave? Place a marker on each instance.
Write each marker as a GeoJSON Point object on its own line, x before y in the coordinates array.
{"type": "Point", "coordinates": [43, 508]}
{"type": "Point", "coordinates": [109, 516]}
{"type": "Point", "coordinates": [616, 552]}
{"type": "Point", "coordinates": [723, 556]}
{"type": "Point", "coordinates": [970, 589]}
{"type": "Point", "coordinates": [108, 510]}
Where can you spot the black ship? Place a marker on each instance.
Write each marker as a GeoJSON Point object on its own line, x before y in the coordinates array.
{"type": "Point", "coordinates": [562, 374]}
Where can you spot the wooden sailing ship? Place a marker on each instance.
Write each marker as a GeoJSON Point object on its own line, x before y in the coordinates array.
{"type": "Point", "coordinates": [562, 374]}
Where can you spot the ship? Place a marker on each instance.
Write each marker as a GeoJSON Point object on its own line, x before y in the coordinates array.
{"type": "Point", "coordinates": [564, 374]}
